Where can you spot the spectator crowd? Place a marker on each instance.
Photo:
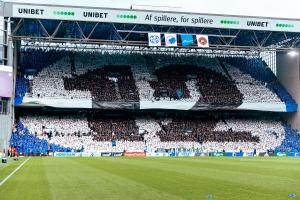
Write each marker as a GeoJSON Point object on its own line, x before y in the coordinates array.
{"type": "Point", "coordinates": [96, 134]}
{"type": "Point", "coordinates": [134, 78]}
{"type": "Point", "coordinates": [201, 80]}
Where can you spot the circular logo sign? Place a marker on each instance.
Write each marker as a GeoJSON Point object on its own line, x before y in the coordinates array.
{"type": "Point", "coordinates": [202, 41]}
{"type": "Point", "coordinates": [154, 39]}
{"type": "Point", "coordinates": [171, 40]}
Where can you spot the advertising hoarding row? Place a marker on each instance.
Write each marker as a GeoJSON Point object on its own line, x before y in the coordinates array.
{"type": "Point", "coordinates": [153, 17]}
{"type": "Point", "coordinates": [170, 154]}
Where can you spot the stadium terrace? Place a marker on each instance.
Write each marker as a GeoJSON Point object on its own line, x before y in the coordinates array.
{"type": "Point", "coordinates": [126, 100]}
{"type": "Point", "coordinates": [141, 68]}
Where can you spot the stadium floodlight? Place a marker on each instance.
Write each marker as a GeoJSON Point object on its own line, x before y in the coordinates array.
{"type": "Point", "coordinates": [293, 53]}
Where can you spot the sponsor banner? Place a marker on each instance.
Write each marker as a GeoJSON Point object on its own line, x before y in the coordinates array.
{"type": "Point", "coordinates": [170, 40]}
{"type": "Point", "coordinates": [239, 154]}
{"type": "Point", "coordinates": [216, 154]}
{"type": "Point", "coordinates": [154, 39]}
{"type": "Point", "coordinates": [173, 154]}
{"type": "Point", "coordinates": [91, 154]}
{"type": "Point", "coordinates": [187, 39]}
{"type": "Point", "coordinates": [262, 154]}
{"type": "Point", "coordinates": [117, 154]}
{"type": "Point", "coordinates": [202, 41]}
{"type": "Point", "coordinates": [151, 17]}
{"type": "Point", "coordinates": [186, 154]}
{"type": "Point", "coordinates": [248, 154]}
{"type": "Point", "coordinates": [280, 154]}
{"type": "Point", "coordinates": [82, 154]}
{"type": "Point", "coordinates": [293, 154]}
{"type": "Point", "coordinates": [182, 154]}
{"type": "Point", "coordinates": [106, 154]}
{"type": "Point", "coordinates": [134, 154]}
{"type": "Point", "coordinates": [67, 154]}
{"type": "Point", "coordinates": [153, 154]}
{"type": "Point", "coordinates": [229, 154]}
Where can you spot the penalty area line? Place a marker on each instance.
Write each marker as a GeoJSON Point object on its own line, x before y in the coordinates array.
{"type": "Point", "coordinates": [11, 174]}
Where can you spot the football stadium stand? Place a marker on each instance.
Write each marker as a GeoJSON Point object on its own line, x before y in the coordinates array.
{"type": "Point", "coordinates": [152, 81]}
{"type": "Point", "coordinates": [40, 134]}
{"type": "Point", "coordinates": [181, 86]}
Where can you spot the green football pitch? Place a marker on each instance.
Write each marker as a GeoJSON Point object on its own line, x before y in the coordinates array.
{"type": "Point", "coordinates": [151, 178]}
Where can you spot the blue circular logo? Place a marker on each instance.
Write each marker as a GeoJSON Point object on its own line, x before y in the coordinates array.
{"type": "Point", "coordinates": [154, 39]}
{"type": "Point", "coordinates": [171, 40]}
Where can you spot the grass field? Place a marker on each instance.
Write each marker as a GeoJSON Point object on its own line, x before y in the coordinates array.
{"type": "Point", "coordinates": [151, 178]}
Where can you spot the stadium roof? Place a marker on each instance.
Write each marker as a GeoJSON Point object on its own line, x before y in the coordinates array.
{"type": "Point", "coordinates": [125, 22]}
{"type": "Point", "coordinates": [288, 9]}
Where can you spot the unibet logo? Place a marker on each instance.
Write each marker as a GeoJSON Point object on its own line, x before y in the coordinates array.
{"type": "Point", "coordinates": [95, 14]}
{"type": "Point", "coordinates": [258, 24]}
{"type": "Point", "coordinates": [29, 11]}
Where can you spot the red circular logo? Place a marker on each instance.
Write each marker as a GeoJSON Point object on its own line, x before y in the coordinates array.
{"type": "Point", "coordinates": [202, 40]}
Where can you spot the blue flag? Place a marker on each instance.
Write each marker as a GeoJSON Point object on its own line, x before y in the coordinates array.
{"type": "Point", "coordinates": [179, 93]}
{"type": "Point", "coordinates": [186, 39]}
{"type": "Point", "coordinates": [113, 143]}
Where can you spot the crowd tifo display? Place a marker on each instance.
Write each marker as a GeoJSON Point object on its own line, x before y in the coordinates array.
{"type": "Point", "coordinates": [93, 133]}
{"type": "Point", "coordinates": [91, 84]}
{"type": "Point", "coordinates": [110, 83]}
{"type": "Point", "coordinates": [134, 81]}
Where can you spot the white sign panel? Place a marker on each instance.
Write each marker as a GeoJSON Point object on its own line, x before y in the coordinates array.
{"type": "Point", "coordinates": [202, 41]}
{"type": "Point", "coordinates": [154, 39]}
{"type": "Point", "coordinates": [288, 9]}
{"type": "Point", "coordinates": [170, 40]}
{"type": "Point", "coordinates": [156, 18]}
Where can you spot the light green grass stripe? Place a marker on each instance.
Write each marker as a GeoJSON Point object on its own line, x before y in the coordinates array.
{"type": "Point", "coordinates": [13, 172]}
{"type": "Point", "coordinates": [89, 176]}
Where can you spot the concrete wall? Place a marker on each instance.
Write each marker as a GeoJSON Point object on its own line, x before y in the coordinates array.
{"type": "Point", "coordinates": [5, 131]}
{"type": "Point", "coordinates": [288, 73]}
{"type": "Point", "coordinates": [6, 121]}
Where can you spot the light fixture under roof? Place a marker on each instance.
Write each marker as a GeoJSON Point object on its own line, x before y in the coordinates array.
{"type": "Point", "coordinates": [293, 53]}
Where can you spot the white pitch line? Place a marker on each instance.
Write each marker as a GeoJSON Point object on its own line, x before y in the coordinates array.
{"type": "Point", "coordinates": [10, 175]}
